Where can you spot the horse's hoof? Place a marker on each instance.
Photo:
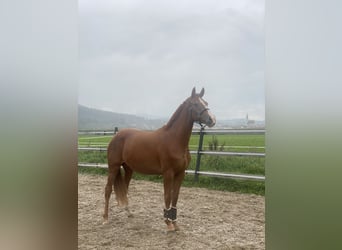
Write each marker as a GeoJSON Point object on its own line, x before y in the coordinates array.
{"type": "Point", "coordinates": [170, 228]}
{"type": "Point", "coordinates": [129, 214]}
{"type": "Point", "coordinates": [176, 227]}
{"type": "Point", "coordinates": [105, 222]}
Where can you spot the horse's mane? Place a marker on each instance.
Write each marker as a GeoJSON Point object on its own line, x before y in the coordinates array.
{"type": "Point", "coordinates": [176, 114]}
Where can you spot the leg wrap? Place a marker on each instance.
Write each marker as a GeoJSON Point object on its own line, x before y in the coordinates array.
{"type": "Point", "coordinates": [170, 214]}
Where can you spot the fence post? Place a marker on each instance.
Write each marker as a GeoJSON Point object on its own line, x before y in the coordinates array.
{"type": "Point", "coordinates": [198, 160]}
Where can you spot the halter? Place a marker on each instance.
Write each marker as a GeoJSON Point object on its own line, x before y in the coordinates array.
{"type": "Point", "coordinates": [205, 109]}
{"type": "Point", "coordinates": [199, 114]}
{"type": "Point", "coordinates": [199, 117]}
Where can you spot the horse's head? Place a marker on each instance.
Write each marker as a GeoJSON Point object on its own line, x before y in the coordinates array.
{"type": "Point", "coordinates": [199, 109]}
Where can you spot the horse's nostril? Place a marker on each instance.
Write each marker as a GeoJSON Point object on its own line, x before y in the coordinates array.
{"type": "Point", "coordinates": [212, 121]}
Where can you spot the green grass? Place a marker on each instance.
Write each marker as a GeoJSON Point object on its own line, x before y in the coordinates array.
{"type": "Point", "coordinates": [228, 164]}
{"type": "Point", "coordinates": [94, 140]}
{"type": "Point", "coordinates": [92, 156]}
{"type": "Point", "coordinates": [232, 143]}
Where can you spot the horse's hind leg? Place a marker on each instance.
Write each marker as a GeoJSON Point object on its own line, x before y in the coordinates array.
{"type": "Point", "coordinates": [128, 174]}
{"type": "Point", "coordinates": [112, 172]}
{"type": "Point", "coordinates": [128, 177]}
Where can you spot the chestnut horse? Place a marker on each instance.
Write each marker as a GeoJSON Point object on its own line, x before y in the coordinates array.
{"type": "Point", "coordinates": [162, 152]}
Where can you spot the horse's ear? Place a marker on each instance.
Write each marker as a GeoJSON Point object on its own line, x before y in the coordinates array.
{"type": "Point", "coordinates": [193, 93]}
{"type": "Point", "coordinates": [202, 93]}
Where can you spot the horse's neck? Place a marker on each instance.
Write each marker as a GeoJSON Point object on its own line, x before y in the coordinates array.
{"type": "Point", "coordinates": [181, 127]}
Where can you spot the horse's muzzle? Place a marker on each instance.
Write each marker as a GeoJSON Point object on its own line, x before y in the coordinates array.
{"type": "Point", "coordinates": [211, 121]}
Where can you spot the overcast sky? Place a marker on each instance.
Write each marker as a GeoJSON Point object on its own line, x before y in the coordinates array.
{"type": "Point", "coordinates": [144, 57]}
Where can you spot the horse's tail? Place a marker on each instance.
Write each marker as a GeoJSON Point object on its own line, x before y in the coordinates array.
{"type": "Point", "coordinates": [120, 189]}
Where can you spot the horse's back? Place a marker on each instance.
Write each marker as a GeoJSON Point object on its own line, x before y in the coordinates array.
{"type": "Point", "coordinates": [138, 149]}
{"type": "Point", "coordinates": [120, 140]}
{"type": "Point", "coordinates": [134, 138]}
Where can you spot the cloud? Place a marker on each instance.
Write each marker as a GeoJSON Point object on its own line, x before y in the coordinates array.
{"type": "Point", "coordinates": [145, 57]}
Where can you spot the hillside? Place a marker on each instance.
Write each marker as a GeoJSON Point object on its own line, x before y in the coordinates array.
{"type": "Point", "coordinates": [94, 119]}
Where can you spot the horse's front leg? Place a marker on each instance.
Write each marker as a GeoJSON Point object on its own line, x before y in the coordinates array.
{"type": "Point", "coordinates": [176, 187]}
{"type": "Point", "coordinates": [168, 177]}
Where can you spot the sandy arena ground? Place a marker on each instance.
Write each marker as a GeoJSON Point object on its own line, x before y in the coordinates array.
{"type": "Point", "coordinates": [208, 219]}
